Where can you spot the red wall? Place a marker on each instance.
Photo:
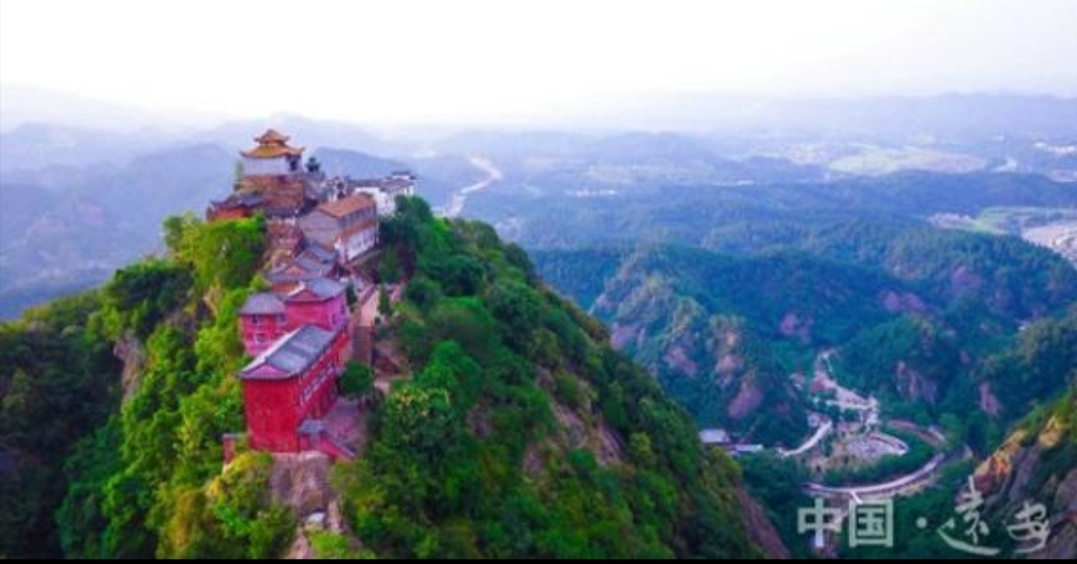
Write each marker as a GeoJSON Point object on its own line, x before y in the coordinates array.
{"type": "Point", "coordinates": [321, 314]}
{"type": "Point", "coordinates": [275, 408]}
{"type": "Point", "coordinates": [271, 414]}
{"type": "Point", "coordinates": [271, 327]}
{"type": "Point", "coordinates": [215, 214]}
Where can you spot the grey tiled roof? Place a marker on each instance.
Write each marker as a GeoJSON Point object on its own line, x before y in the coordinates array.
{"type": "Point", "coordinates": [324, 288]}
{"type": "Point", "coordinates": [292, 354]}
{"type": "Point", "coordinates": [262, 304]}
{"type": "Point", "coordinates": [309, 267]}
{"type": "Point", "coordinates": [248, 199]}
{"type": "Point", "coordinates": [311, 427]}
{"type": "Point", "coordinates": [318, 253]}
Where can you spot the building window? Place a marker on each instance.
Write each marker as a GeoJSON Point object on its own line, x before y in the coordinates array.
{"type": "Point", "coordinates": [258, 338]}
{"type": "Point", "coordinates": [256, 320]}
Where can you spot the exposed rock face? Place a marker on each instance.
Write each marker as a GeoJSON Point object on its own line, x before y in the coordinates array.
{"type": "Point", "coordinates": [904, 303]}
{"type": "Point", "coordinates": [1031, 468]}
{"type": "Point", "coordinates": [748, 399]}
{"type": "Point", "coordinates": [988, 401]}
{"type": "Point", "coordinates": [914, 386]}
{"type": "Point", "coordinates": [793, 326]}
{"type": "Point", "coordinates": [132, 353]}
{"type": "Point", "coordinates": [624, 335]}
{"type": "Point", "coordinates": [301, 482]}
{"type": "Point", "coordinates": [964, 280]}
{"type": "Point", "coordinates": [678, 359]}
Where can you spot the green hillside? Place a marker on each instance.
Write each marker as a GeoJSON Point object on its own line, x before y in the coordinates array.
{"type": "Point", "coordinates": [518, 433]}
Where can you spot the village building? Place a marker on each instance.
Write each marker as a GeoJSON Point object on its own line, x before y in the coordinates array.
{"type": "Point", "coordinates": [314, 262]}
{"type": "Point", "coordinates": [349, 226]}
{"type": "Point", "coordinates": [266, 317]}
{"type": "Point", "coordinates": [384, 190]}
{"type": "Point", "coordinates": [300, 343]}
{"type": "Point", "coordinates": [290, 383]}
{"type": "Point", "coordinates": [262, 321]}
{"type": "Point", "coordinates": [300, 334]}
{"type": "Point", "coordinates": [273, 181]}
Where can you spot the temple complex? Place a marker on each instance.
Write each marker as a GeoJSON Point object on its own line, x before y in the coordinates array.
{"type": "Point", "coordinates": [301, 334]}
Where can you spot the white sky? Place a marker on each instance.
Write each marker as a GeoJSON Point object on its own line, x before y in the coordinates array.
{"type": "Point", "coordinates": [488, 60]}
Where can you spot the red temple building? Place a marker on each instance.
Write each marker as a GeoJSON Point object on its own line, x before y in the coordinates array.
{"type": "Point", "coordinates": [273, 181]}
{"type": "Point", "coordinates": [266, 317]}
{"type": "Point", "coordinates": [300, 334]}
{"type": "Point", "coordinates": [292, 383]}
{"type": "Point", "coordinates": [300, 342]}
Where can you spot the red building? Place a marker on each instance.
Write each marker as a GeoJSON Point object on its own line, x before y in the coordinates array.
{"type": "Point", "coordinates": [320, 302]}
{"type": "Point", "coordinates": [266, 317]}
{"type": "Point", "coordinates": [262, 321]}
{"type": "Point", "coordinates": [300, 342]}
{"type": "Point", "coordinates": [291, 384]}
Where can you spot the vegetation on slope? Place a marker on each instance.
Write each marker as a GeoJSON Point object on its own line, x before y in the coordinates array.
{"type": "Point", "coordinates": [522, 434]}
{"type": "Point", "coordinates": [918, 321]}
{"type": "Point", "coordinates": [149, 482]}
{"type": "Point", "coordinates": [58, 382]}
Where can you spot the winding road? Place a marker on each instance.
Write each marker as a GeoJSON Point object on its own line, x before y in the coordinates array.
{"type": "Point", "coordinates": [459, 199]}
{"type": "Point", "coordinates": [811, 443]}
{"type": "Point", "coordinates": [889, 489]}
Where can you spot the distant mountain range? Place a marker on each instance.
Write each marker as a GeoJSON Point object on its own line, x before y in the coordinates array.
{"type": "Point", "coordinates": [76, 203]}
{"type": "Point", "coordinates": [68, 190]}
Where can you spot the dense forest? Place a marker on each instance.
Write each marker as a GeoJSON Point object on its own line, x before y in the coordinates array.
{"type": "Point", "coordinates": [520, 432]}
{"type": "Point", "coordinates": [925, 339]}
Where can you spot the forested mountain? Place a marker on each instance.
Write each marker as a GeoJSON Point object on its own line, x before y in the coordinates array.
{"type": "Point", "coordinates": [518, 432]}
{"type": "Point", "coordinates": [552, 211]}
{"type": "Point", "coordinates": [724, 333]}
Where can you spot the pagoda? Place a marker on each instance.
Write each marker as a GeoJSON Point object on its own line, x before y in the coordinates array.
{"type": "Point", "coordinates": [272, 172]}
{"type": "Point", "coordinates": [273, 156]}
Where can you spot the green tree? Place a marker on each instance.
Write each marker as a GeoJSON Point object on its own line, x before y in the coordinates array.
{"type": "Point", "coordinates": [357, 381]}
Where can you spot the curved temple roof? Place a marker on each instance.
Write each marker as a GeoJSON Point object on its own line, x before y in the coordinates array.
{"type": "Point", "coordinates": [272, 144]}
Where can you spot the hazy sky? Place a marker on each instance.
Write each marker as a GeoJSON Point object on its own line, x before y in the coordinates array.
{"type": "Point", "coordinates": [491, 60]}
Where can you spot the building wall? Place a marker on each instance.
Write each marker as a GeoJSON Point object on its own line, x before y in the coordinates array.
{"type": "Point", "coordinates": [320, 227]}
{"type": "Point", "coordinates": [386, 203]}
{"type": "Point", "coordinates": [272, 414]}
{"type": "Point", "coordinates": [268, 327]}
{"type": "Point", "coordinates": [220, 214]}
{"type": "Point", "coordinates": [317, 389]}
{"type": "Point", "coordinates": [252, 167]}
{"type": "Point", "coordinates": [275, 408]}
{"type": "Point", "coordinates": [331, 314]}
{"type": "Point", "coordinates": [281, 191]}
{"type": "Point", "coordinates": [358, 243]}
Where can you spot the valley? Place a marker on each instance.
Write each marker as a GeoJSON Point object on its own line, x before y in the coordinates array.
{"type": "Point", "coordinates": [846, 333]}
{"type": "Point", "coordinates": [459, 198]}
